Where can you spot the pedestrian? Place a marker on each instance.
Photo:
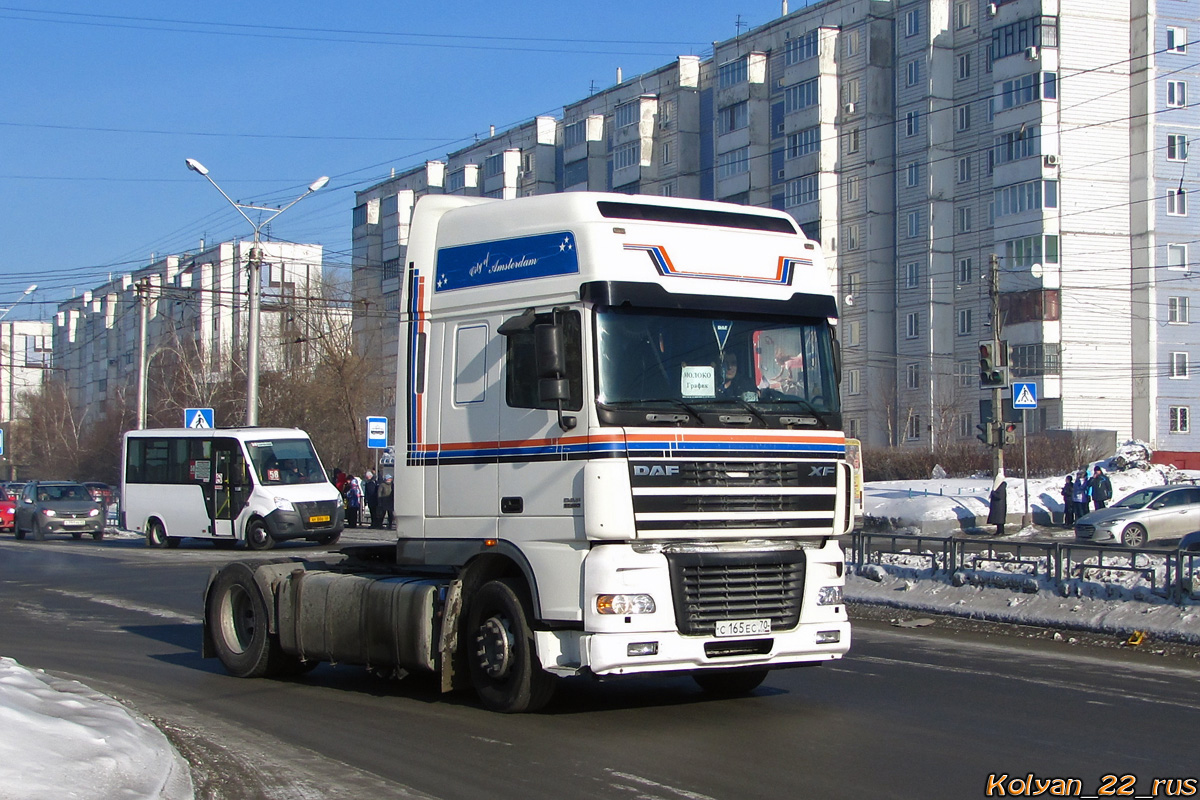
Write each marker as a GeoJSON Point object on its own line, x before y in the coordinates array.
{"type": "Point", "coordinates": [353, 495]}
{"type": "Point", "coordinates": [1100, 487]}
{"type": "Point", "coordinates": [998, 504]}
{"type": "Point", "coordinates": [339, 480]}
{"type": "Point", "coordinates": [1068, 496]}
{"type": "Point", "coordinates": [1079, 494]}
{"type": "Point", "coordinates": [371, 495]}
{"type": "Point", "coordinates": [387, 503]}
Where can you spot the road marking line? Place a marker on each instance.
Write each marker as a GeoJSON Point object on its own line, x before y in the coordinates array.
{"type": "Point", "coordinates": [115, 602]}
{"type": "Point", "coordinates": [655, 785]}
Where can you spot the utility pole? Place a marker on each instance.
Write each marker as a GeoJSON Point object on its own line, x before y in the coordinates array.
{"type": "Point", "coordinates": [997, 391]}
{"type": "Point", "coordinates": [142, 288]}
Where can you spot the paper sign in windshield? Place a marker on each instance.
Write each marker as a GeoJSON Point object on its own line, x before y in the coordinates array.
{"type": "Point", "coordinates": [698, 382]}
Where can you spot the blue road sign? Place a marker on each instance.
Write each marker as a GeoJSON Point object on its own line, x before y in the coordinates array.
{"type": "Point", "coordinates": [377, 432]}
{"type": "Point", "coordinates": [1, 441]}
{"type": "Point", "coordinates": [1024, 395]}
{"type": "Point", "coordinates": [198, 418]}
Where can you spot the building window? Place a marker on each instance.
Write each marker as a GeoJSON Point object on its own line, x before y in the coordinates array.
{"type": "Point", "coordinates": [667, 190]}
{"type": "Point", "coordinates": [962, 118]}
{"type": "Point", "coordinates": [626, 155]}
{"type": "Point", "coordinates": [801, 95]}
{"type": "Point", "coordinates": [853, 333]}
{"type": "Point", "coordinates": [850, 43]}
{"type": "Point", "coordinates": [965, 321]}
{"type": "Point", "coordinates": [912, 123]}
{"type": "Point", "coordinates": [912, 274]}
{"type": "Point", "coordinates": [851, 188]}
{"type": "Point", "coordinates": [853, 237]}
{"type": "Point", "coordinates": [1030, 250]}
{"type": "Point", "coordinates": [803, 142]}
{"type": "Point", "coordinates": [1177, 202]}
{"type": "Point", "coordinates": [1178, 366]}
{"type": "Point", "coordinates": [850, 90]}
{"type": "Point", "coordinates": [359, 216]}
{"type": "Point", "coordinates": [1026, 89]}
{"type": "Point", "coordinates": [913, 376]}
{"type": "Point", "coordinates": [964, 169]}
{"type": "Point", "coordinates": [966, 271]}
{"type": "Point", "coordinates": [964, 66]}
{"type": "Point", "coordinates": [1177, 310]}
{"type": "Point", "coordinates": [733, 72]}
{"type": "Point", "coordinates": [802, 48]}
{"type": "Point", "coordinates": [912, 22]}
{"type": "Point", "coordinates": [734, 117]}
{"type": "Point", "coordinates": [735, 162]}
{"type": "Point", "coordinates": [666, 154]}
{"type": "Point", "coordinates": [1015, 145]}
{"type": "Point", "coordinates": [912, 327]}
{"type": "Point", "coordinates": [626, 114]}
{"type": "Point", "coordinates": [575, 133]}
{"type": "Point", "coordinates": [1177, 147]}
{"type": "Point", "coordinates": [853, 283]}
{"type": "Point", "coordinates": [1176, 94]}
{"type": "Point", "coordinates": [1176, 40]}
{"type": "Point", "coordinates": [1031, 360]}
{"type": "Point", "coordinates": [913, 70]}
{"type": "Point", "coordinates": [1177, 257]}
{"type": "Point", "coordinates": [852, 140]}
{"type": "Point", "coordinates": [456, 181]}
{"type": "Point", "coordinates": [853, 381]}
{"type": "Point", "coordinates": [1026, 196]}
{"type": "Point", "coordinates": [914, 224]}
{"type": "Point", "coordinates": [962, 15]}
{"type": "Point", "coordinates": [913, 173]}
{"type": "Point", "coordinates": [912, 431]}
{"type": "Point", "coordinates": [1021, 35]}
{"type": "Point", "coordinates": [963, 218]}
{"type": "Point", "coordinates": [965, 428]}
{"type": "Point", "coordinates": [801, 191]}
{"type": "Point", "coordinates": [967, 373]}
{"type": "Point", "coordinates": [493, 165]}
{"type": "Point", "coordinates": [1179, 421]}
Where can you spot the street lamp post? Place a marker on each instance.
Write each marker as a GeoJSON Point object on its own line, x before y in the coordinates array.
{"type": "Point", "coordinates": [254, 262]}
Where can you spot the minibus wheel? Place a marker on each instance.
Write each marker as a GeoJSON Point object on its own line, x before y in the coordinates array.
{"type": "Point", "coordinates": [258, 537]}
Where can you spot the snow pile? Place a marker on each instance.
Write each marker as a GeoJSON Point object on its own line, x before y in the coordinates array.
{"type": "Point", "coordinates": [63, 740]}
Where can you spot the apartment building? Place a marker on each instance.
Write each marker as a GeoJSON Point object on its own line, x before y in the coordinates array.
{"type": "Point", "coordinates": [196, 311]}
{"type": "Point", "coordinates": [951, 156]}
{"type": "Point", "coordinates": [25, 357]}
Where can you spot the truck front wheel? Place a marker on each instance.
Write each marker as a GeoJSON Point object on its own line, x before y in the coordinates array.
{"type": "Point", "coordinates": [236, 613]}
{"type": "Point", "coordinates": [505, 670]}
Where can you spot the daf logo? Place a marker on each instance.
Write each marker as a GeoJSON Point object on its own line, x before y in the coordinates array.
{"type": "Point", "coordinates": [654, 471]}
{"type": "Point", "coordinates": [821, 472]}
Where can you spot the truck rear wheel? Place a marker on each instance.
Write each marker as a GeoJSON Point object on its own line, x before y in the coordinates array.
{"type": "Point", "coordinates": [236, 613]}
{"type": "Point", "coordinates": [729, 682]}
{"type": "Point", "coordinates": [505, 670]}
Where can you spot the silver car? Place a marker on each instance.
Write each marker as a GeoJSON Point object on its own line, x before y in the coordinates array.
{"type": "Point", "coordinates": [57, 507]}
{"type": "Point", "coordinates": [1156, 512]}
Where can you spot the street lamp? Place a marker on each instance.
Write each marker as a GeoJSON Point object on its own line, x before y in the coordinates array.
{"type": "Point", "coordinates": [254, 262]}
{"type": "Point", "coordinates": [32, 288]}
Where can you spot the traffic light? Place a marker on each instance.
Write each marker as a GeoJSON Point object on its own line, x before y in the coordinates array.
{"type": "Point", "coordinates": [987, 433]}
{"type": "Point", "coordinates": [993, 364]}
{"type": "Point", "coordinates": [1010, 433]}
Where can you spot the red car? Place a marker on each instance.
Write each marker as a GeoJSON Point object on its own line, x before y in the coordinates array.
{"type": "Point", "coordinates": [8, 507]}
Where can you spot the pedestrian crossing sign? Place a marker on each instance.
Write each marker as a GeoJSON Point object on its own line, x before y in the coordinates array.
{"type": "Point", "coordinates": [199, 418]}
{"type": "Point", "coordinates": [1024, 395]}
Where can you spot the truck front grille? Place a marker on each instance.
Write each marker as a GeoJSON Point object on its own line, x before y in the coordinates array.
{"type": "Point", "coordinates": [708, 587]}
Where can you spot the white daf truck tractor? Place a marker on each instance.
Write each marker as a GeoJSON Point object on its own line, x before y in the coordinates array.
{"type": "Point", "coordinates": [619, 452]}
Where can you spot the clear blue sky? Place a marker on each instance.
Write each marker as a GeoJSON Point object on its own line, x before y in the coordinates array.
{"type": "Point", "coordinates": [103, 101]}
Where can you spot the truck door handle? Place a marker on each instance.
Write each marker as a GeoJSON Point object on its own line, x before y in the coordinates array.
{"type": "Point", "coordinates": [512, 505]}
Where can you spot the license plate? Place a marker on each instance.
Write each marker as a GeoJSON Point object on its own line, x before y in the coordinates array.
{"type": "Point", "coordinates": [72, 523]}
{"type": "Point", "coordinates": [321, 518]}
{"type": "Point", "coordinates": [743, 627]}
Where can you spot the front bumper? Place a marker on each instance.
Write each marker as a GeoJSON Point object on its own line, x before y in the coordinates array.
{"type": "Point", "coordinates": [60, 525]}
{"type": "Point", "coordinates": [1099, 534]}
{"type": "Point", "coordinates": [305, 522]}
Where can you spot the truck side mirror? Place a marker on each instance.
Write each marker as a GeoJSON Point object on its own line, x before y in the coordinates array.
{"type": "Point", "coordinates": [549, 352]}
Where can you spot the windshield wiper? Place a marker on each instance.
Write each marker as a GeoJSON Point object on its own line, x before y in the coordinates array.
{"type": "Point", "coordinates": [741, 403]}
{"type": "Point", "coordinates": [672, 400]}
{"type": "Point", "coordinates": [807, 406]}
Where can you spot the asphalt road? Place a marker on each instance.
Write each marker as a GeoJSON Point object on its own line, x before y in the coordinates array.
{"type": "Point", "coordinates": [920, 713]}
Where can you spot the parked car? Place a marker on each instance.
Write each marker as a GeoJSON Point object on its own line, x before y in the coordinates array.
{"type": "Point", "coordinates": [58, 507]}
{"type": "Point", "coordinates": [8, 505]}
{"type": "Point", "coordinates": [102, 492]}
{"type": "Point", "coordinates": [1155, 512]}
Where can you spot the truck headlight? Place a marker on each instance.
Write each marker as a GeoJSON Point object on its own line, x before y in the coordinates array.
{"type": "Point", "coordinates": [283, 504]}
{"type": "Point", "coordinates": [624, 604]}
{"type": "Point", "coordinates": [829, 596]}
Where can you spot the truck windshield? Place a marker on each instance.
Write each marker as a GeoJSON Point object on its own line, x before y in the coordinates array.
{"type": "Point", "coordinates": [285, 461]}
{"type": "Point", "coordinates": [656, 360]}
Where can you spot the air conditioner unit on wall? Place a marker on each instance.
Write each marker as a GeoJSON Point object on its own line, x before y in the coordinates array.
{"type": "Point", "coordinates": [1031, 53]}
{"type": "Point", "coordinates": [1051, 160]}
{"type": "Point", "coordinates": [992, 9]}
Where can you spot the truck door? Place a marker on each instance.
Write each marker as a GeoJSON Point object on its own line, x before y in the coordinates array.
{"type": "Point", "coordinates": [468, 429]}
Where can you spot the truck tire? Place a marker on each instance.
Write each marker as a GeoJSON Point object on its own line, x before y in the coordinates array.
{"type": "Point", "coordinates": [257, 536]}
{"type": "Point", "coordinates": [729, 682]}
{"type": "Point", "coordinates": [505, 670]}
{"type": "Point", "coordinates": [236, 613]}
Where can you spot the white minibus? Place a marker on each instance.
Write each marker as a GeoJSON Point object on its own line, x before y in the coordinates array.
{"type": "Point", "coordinates": [251, 485]}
